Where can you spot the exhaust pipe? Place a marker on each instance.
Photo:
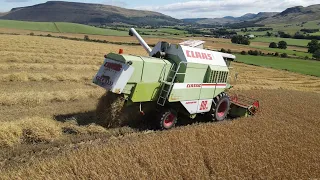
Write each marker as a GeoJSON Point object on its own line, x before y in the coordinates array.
{"type": "Point", "coordinates": [132, 32]}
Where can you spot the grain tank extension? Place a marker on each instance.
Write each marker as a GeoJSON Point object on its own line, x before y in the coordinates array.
{"type": "Point", "coordinates": [179, 79]}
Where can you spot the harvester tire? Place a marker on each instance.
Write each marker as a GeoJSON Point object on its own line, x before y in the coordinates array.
{"type": "Point", "coordinates": [220, 107]}
{"type": "Point", "coordinates": [167, 120]}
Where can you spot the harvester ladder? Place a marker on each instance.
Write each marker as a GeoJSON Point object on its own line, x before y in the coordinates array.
{"type": "Point", "coordinates": [167, 85]}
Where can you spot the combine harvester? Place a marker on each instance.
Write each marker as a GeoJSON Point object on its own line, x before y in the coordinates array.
{"type": "Point", "coordinates": [179, 79]}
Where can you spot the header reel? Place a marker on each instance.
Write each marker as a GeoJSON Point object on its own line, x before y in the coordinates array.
{"type": "Point", "coordinates": [243, 106]}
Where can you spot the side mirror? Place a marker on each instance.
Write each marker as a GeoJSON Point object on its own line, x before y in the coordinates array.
{"type": "Point", "coordinates": [130, 33]}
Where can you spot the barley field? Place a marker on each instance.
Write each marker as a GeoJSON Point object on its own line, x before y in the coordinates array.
{"type": "Point", "coordinates": [211, 43]}
{"type": "Point", "coordinates": [48, 128]}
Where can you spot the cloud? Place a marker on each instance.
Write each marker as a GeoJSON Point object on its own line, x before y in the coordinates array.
{"type": "Point", "coordinates": [220, 8]}
{"type": "Point", "coordinates": [15, 1]}
{"type": "Point", "coordinates": [115, 3]}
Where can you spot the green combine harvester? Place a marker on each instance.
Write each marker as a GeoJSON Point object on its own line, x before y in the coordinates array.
{"type": "Point", "coordinates": [179, 79]}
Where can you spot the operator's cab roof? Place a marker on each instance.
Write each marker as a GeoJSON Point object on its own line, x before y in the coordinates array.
{"type": "Point", "coordinates": [193, 43]}
{"type": "Point", "coordinates": [200, 44]}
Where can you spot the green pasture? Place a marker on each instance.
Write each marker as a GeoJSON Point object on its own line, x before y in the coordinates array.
{"type": "Point", "coordinates": [291, 42]}
{"type": "Point", "coordinates": [61, 27]}
{"type": "Point", "coordinates": [307, 67]}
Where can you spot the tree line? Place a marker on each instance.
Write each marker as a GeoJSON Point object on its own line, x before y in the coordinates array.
{"type": "Point", "coordinates": [298, 35]}
{"type": "Point", "coordinates": [280, 45]}
{"type": "Point", "coordinates": [314, 48]}
{"type": "Point", "coordinates": [239, 39]}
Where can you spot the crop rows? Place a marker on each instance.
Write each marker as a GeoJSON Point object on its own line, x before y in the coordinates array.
{"type": "Point", "coordinates": [47, 105]}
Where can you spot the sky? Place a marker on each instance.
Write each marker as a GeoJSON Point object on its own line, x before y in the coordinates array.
{"type": "Point", "coordinates": [186, 8]}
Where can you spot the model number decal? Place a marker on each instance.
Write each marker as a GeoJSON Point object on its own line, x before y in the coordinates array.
{"type": "Point", "coordinates": [204, 105]}
{"type": "Point", "coordinates": [191, 102]}
{"type": "Point", "coordinates": [194, 85]}
{"type": "Point", "coordinates": [104, 80]}
{"type": "Point", "coordinates": [113, 66]}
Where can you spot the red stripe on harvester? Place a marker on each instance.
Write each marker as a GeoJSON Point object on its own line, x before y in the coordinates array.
{"type": "Point", "coordinates": [214, 84]}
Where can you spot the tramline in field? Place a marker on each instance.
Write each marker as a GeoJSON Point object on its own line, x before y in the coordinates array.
{"type": "Point", "coordinates": [180, 79]}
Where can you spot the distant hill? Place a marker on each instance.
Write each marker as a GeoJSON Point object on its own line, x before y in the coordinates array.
{"type": "Point", "coordinates": [59, 27]}
{"type": "Point", "coordinates": [85, 13]}
{"type": "Point", "coordinates": [231, 19]}
{"type": "Point", "coordinates": [193, 20]}
{"type": "Point", "coordinates": [296, 14]}
{"type": "Point", "coordinates": [97, 14]}
{"type": "Point", "coordinates": [246, 17]}
{"type": "Point", "coordinates": [2, 14]}
{"type": "Point", "coordinates": [217, 21]}
{"type": "Point", "coordinates": [262, 15]}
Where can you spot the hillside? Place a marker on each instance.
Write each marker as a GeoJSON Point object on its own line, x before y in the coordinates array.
{"type": "Point", "coordinates": [262, 15]}
{"type": "Point", "coordinates": [2, 14]}
{"type": "Point", "coordinates": [217, 21]}
{"type": "Point", "coordinates": [252, 17]}
{"type": "Point", "coordinates": [231, 19]}
{"type": "Point", "coordinates": [296, 14]}
{"type": "Point", "coordinates": [85, 13]}
{"type": "Point", "coordinates": [59, 27]}
{"type": "Point", "coordinates": [193, 20]}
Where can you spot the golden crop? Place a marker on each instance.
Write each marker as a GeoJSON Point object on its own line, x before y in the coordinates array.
{"type": "Point", "coordinates": [49, 129]}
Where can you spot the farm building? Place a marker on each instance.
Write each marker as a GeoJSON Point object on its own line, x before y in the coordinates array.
{"type": "Point", "coordinates": [250, 36]}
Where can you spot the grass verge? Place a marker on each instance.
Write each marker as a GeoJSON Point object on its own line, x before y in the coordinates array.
{"type": "Point", "coordinates": [60, 27]}
{"type": "Point", "coordinates": [290, 52]}
{"type": "Point", "coordinates": [292, 42]}
{"type": "Point", "coordinates": [295, 65]}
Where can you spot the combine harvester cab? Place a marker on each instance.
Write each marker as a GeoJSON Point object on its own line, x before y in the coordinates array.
{"type": "Point", "coordinates": [179, 79]}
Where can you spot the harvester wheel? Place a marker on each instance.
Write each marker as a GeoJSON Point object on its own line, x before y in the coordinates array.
{"type": "Point", "coordinates": [220, 107]}
{"type": "Point", "coordinates": [168, 119]}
